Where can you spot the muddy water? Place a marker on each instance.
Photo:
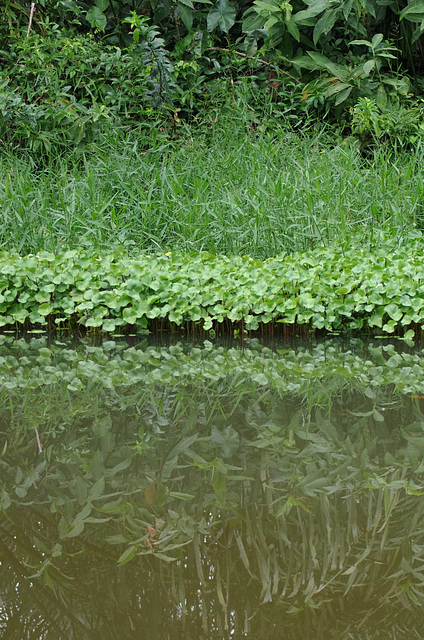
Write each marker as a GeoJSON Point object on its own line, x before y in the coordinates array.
{"type": "Point", "coordinates": [201, 491]}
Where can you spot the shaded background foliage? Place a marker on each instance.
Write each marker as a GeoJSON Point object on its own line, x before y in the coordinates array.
{"type": "Point", "coordinates": [86, 64]}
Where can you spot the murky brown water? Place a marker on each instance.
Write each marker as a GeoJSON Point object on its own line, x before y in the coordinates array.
{"type": "Point", "coordinates": [180, 492]}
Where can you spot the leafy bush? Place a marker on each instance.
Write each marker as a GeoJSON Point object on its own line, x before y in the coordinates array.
{"type": "Point", "coordinates": [59, 87]}
{"type": "Point", "coordinates": [343, 83]}
{"type": "Point", "coordinates": [400, 126]}
{"type": "Point", "coordinates": [343, 52]}
{"type": "Point", "coordinates": [43, 126]}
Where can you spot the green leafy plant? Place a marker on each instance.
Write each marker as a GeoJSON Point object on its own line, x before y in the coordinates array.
{"type": "Point", "coordinates": [340, 83]}
{"type": "Point", "coordinates": [222, 15]}
{"type": "Point", "coordinates": [274, 21]}
{"type": "Point", "coordinates": [400, 126]}
{"type": "Point", "coordinates": [322, 41]}
{"type": "Point", "coordinates": [153, 58]}
{"type": "Point", "coordinates": [321, 289]}
{"type": "Point", "coordinates": [61, 86]}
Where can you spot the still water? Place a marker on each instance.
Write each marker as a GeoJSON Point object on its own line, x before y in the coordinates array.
{"type": "Point", "coordinates": [198, 491]}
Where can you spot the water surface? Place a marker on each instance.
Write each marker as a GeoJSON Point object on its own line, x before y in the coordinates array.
{"type": "Point", "coordinates": [200, 491]}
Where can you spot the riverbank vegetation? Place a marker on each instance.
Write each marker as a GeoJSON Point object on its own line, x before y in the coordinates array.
{"type": "Point", "coordinates": [70, 67]}
{"type": "Point", "coordinates": [228, 128]}
{"type": "Point", "coordinates": [358, 289]}
{"type": "Point", "coordinates": [218, 188]}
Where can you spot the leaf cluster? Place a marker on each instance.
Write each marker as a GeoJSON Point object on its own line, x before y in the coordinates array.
{"type": "Point", "coordinates": [60, 87]}
{"type": "Point", "coordinates": [325, 288]}
{"type": "Point", "coordinates": [372, 124]}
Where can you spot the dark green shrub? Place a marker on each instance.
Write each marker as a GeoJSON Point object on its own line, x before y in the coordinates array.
{"type": "Point", "coordinates": [61, 86]}
{"type": "Point", "coordinates": [401, 126]}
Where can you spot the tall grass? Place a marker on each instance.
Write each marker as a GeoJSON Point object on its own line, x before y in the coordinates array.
{"type": "Point", "coordinates": [225, 187]}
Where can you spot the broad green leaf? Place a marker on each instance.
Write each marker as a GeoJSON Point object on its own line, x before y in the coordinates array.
{"type": "Point", "coordinates": [325, 23]}
{"type": "Point", "coordinates": [260, 378]}
{"type": "Point", "coordinates": [369, 66]}
{"type": "Point", "coordinates": [377, 39]}
{"type": "Point", "coordinates": [271, 22]}
{"type": "Point", "coordinates": [305, 62]}
{"type": "Point", "coordinates": [45, 352]}
{"type": "Point", "coordinates": [96, 18]}
{"type": "Point", "coordinates": [222, 15]}
{"type": "Point", "coordinates": [365, 43]}
{"type": "Point", "coordinates": [186, 16]}
{"type": "Point", "coordinates": [394, 312]}
{"type": "Point", "coordinates": [381, 97]}
{"type": "Point", "coordinates": [102, 4]}
{"type": "Point", "coordinates": [418, 32]}
{"type": "Point", "coordinates": [414, 11]}
{"type": "Point", "coordinates": [376, 320]}
{"type": "Point", "coordinates": [314, 9]}
{"type": "Point", "coordinates": [323, 62]}
{"type": "Point", "coordinates": [20, 315]}
{"type": "Point", "coordinates": [95, 321]}
{"type": "Point", "coordinates": [343, 95]}
{"type": "Point", "coordinates": [390, 326]}
{"type": "Point", "coordinates": [130, 315]}
{"type": "Point", "coordinates": [45, 309]}
{"type": "Point", "coordinates": [347, 7]}
{"type": "Point", "coordinates": [265, 8]}
{"type": "Point", "coordinates": [5, 500]}
{"type": "Point", "coordinates": [293, 29]}
{"type": "Point", "coordinates": [252, 22]}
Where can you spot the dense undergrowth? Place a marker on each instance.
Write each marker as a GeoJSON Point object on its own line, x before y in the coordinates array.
{"type": "Point", "coordinates": [142, 141]}
{"type": "Point", "coordinates": [236, 183]}
{"type": "Point", "coordinates": [226, 225]}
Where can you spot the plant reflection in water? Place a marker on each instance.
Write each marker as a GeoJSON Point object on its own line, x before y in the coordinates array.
{"type": "Point", "coordinates": [211, 493]}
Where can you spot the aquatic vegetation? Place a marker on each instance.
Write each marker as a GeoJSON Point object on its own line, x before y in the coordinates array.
{"type": "Point", "coordinates": [352, 289]}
